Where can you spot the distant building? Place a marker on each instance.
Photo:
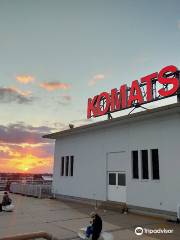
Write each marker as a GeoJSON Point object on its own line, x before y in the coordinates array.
{"type": "Point", "coordinates": [47, 178]}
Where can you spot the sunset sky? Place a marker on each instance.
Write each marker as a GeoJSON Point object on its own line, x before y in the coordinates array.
{"type": "Point", "coordinates": [54, 54]}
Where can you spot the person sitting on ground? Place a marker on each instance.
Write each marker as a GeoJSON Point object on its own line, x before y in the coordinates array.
{"type": "Point", "coordinates": [6, 200]}
{"type": "Point", "coordinates": [96, 225]}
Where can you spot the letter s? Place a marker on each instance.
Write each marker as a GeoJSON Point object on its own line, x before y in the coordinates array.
{"type": "Point", "coordinates": [167, 80]}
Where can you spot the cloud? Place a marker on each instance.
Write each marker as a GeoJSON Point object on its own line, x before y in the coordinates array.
{"type": "Point", "coordinates": [5, 155]}
{"type": "Point", "coordinates": [51, 86]}
{"type": "Point", "coordinates": [22, 147]}
{"type": "Point", "coordinates": [96, 79]}
{"type": "Point", "coordinates": [21, 125]}
{"type": "Point", "coordinates": [20, 133]}
{"type": "Point", "coordinates": [8, 95]}
{"type": "Point", "coordinates": [34, 160]}
{"type": "Point", "coordinates": [25, 79]}
{"type": "Point", "coordinates": [43, 150]}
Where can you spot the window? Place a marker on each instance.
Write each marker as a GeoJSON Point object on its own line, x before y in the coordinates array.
{"type": "Point", "coordinates": [112, 178]}
{"type": "Point", "coordinates": [135, 167]}
{"type": "Point", "coordinates": [67, 165]}
{"type": "Point", "coordinates": [155, 164]}
{"type": "Point", "coordinates": [121, 179]}
{"type": "Point", "coordinates": [62, 166]}
{"type": "Point", "coordinates": [145, 163]}
{"type": "Point", "coordinates": [71, 166]}
{"type": "Point", "coordinates": [144, 158]}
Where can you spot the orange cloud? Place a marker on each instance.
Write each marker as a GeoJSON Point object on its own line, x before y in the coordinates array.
{"type": "Point", "coordinates": [15, 158]}
{"type": "Point", "coordinates": [96, 79]}
{"type": "Point", "coordinates": [25, 79]}
{"type": "Point", "coordinates": [51, 86]}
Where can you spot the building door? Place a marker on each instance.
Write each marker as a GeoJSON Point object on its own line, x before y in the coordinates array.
{"type": "Point", "coordinates": [117, 186]}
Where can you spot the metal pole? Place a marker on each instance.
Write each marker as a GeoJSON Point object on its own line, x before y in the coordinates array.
{"type": "Point", "coordinates": [178, 95]}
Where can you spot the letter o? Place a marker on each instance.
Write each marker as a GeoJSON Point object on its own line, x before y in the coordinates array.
{"type": "Point", "coordinates": [106, 97]}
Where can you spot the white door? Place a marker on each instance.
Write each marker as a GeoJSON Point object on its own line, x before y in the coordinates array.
{"type": "Point", "coordinates": [117, 186]}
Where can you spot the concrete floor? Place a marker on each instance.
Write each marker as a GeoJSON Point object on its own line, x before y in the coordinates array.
{"type": "Point", "coordinates": [64, 219]}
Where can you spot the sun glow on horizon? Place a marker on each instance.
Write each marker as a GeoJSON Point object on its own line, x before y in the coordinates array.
{"type": "Point", "coordinates": [29, 160]}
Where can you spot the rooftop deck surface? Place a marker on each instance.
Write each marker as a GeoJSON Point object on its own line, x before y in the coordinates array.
{"type": "Point", "coordinates": [63, 219]}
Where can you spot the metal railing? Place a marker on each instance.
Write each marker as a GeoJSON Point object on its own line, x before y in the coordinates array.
{"type": "Point", "coordinates": [2, 185]}
{"type": "Point", "coordinates": [35, 190]}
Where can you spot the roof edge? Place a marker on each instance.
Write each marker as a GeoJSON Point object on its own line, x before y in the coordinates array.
{"type": "Point", "coordinates": [111, 121]}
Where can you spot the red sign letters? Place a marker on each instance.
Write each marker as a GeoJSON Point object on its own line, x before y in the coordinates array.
{"type": "Point", "coordinates": [150, 88]}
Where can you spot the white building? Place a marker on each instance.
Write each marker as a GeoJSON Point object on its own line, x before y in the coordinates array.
{"type": "Point", "coordinates": [133, 159]}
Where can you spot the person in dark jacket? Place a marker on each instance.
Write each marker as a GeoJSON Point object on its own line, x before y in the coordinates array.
{"type": "Point", "coordinates": [6, 199]}
{"type": "Point", "coordinates": [96, 225]}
